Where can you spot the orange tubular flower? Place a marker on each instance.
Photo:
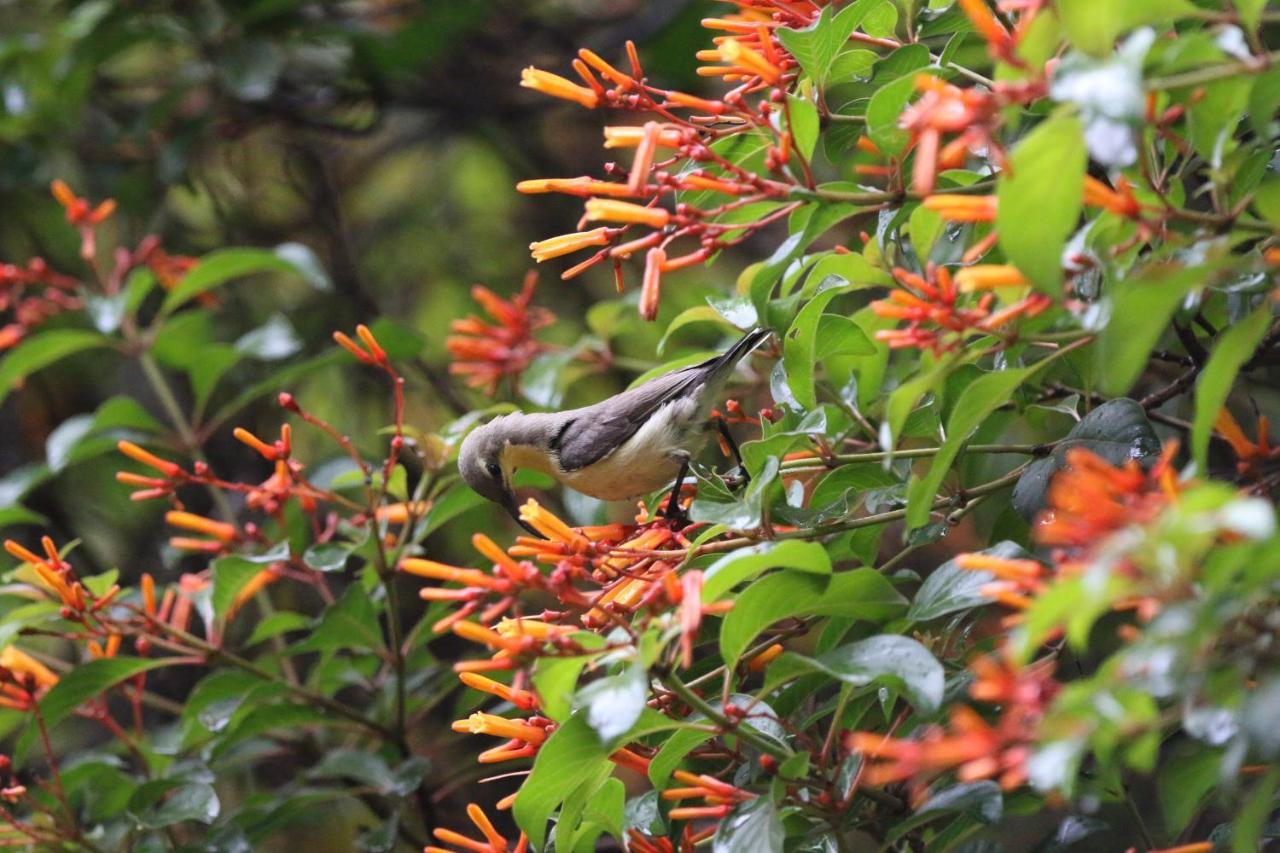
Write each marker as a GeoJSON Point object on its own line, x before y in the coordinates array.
{"type": "Point", "coordinates": [583, 186]}
{"type": "Point", "coordinates": [1249, 454]}
{"type": "Point", "coordinates": [219, 530]}
{"type": "Point", "coordinates": [17, 661]}
{"type": "Point", "coordinates": [136, 453]}
{"type": "Point", "coordinates": [651, 286]}
{"type": "Point", "coordinates": [609, 210]}
{"type": "Point", "coordinates": [1119, 201]}
{"type": "Point", "coordinates": [493, 840]}
{"type": "Point", "coordinates": [998, 38]}
{"type": "Point", "coordinates": [481, 723]}
{"type": "Point", "coordinates": [522, 699]}
{"type": "Point", "coordinates": [546, 523]}
{"type": "Point", "coordinates": [565, 244]}
{"type": "Point", "coordinates": [946, 109]}
{"type": "Point", "coordinates": [626, 136]}
{"type": "Point", "coordinates": [989, 277]}
{"type": "Point", "coordinates": [1091, 498]}
{"type": "Point", "coordinates": [80, 212]}
{"type": "Point", "coordinates": [962, 208]}
{"type": "Point", "coordinates": [451, 574]}
{"type": "Point", "coordinates": [558, 87]}
{"type": "Point", "coordinates": [485, 353]}
{"type": "Point", "coordinates": [400, 513]}
{"type": "Point", "coordinates": [748, 62]}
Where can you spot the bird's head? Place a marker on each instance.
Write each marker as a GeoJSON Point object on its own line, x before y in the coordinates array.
{"type": "Point", "coordinates": [485, 463]}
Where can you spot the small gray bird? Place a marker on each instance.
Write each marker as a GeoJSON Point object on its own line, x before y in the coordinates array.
{"type": "Point", "coordinates": [628, 445]}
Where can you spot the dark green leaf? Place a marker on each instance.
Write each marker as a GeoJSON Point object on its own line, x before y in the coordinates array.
{"type": "Point", "coordinates": [1118, 430]}
{"type": "Point", "coordinates": [88, 680]}
{"type": "Point", "coordinates": [42, 350]}
{"type": "Point", "coordinates": [193, 801]}
{"type": "Point", "coordinates": [752, 827]}
{"type": "Point", "coordinates": [951, 589]}
{"type": "Point", "coordinates": [889, 659]}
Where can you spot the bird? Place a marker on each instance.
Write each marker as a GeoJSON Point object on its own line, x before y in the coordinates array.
{"type": "Point", "coordinates": [625, 446]}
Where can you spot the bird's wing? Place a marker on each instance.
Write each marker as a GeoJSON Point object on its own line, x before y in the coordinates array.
{"type": "Point", "coordinates": [596, 431]}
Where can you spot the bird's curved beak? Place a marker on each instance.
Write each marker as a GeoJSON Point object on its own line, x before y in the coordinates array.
{"type": "Point", "coordinates": [512, 507]}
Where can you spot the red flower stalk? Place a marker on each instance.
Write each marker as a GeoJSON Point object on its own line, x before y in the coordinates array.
{"type": "Point", "coordinates": [486, 353]}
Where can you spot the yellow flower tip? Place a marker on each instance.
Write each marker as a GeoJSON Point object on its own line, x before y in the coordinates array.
{"type": "Point", "coordinates": [989, 277]}
{"type": "Point", "coordinates": [564, 244]}
{"type": "Point", "coordinates": [15, 659]}
{"type": "Point", "coordinates": [610, 210]}
{"type": "Point", "coordinates": [62, 192]}
{"type": "Point", "coordinates": [558, 87]}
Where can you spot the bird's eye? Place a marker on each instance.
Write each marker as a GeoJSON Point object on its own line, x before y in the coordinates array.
{"type": "Point", "coordinates": [495, 471]}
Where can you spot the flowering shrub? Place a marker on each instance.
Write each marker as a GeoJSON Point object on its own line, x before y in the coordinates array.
{"type": "Point", "coordinates": [1000, 564]}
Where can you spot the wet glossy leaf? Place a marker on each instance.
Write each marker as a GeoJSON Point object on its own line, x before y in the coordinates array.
{"type": "Point", "coordinates": [950, 589]}
{"type": "Point", "coordinates": [1118, 430]}
{"type": "Point", "coordinates": [752, 827]}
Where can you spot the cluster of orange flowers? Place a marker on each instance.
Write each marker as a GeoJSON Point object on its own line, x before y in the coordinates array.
{"type": "Point", "coordinates": [485, 353]}
{"type": "Point", "coordinates": [748, 55]}
{"type": "Point", "coordinates": [936, 319]}
{"type": "Point", "coordinates": [35, 292]}
{"type": "Point", "coordinates": [1088, 500]}
{"type": "Point", "coordinates": [601, 575]}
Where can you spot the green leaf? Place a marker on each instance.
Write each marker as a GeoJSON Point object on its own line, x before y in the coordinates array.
{"type": "Point", "coordinates": [804, 124]}
{"type": "Point", "coordinates": [752, 827]}
{"type": "Point", "coordinates": [276, 624]}
{"type": "Point", "coordinates": [230, 574]}
{"type": "Point", "coordinates": [951, 589]}
{"type": "Point", "coordinates": [572, 753]}
{"type": "Point", "coordinates": [1094, 25]}
{"type": "Point", "coordinates": [884, 111]}
{"type": "Point", "coordinates": [764, 602]}
{"type": "Point", "coordinates": [1039, 198]}
{"type": "Point", "coordinates": [1118, 430]}
{"type": "Point", "coordinates": [1183, 783]}
{"type": "Point", "coordinates": [1236, 346]}
{"type": "Point", "coordinates": [858, 594]}
{"type": "Point", "coordinates": [220, 267]}
{"type": "Point", "coordinates": [192, 801]}
{"type": "Point", "coordinates": [815, 47]}
{"type": "Point", "coordinates": [890, 659]}
{"type": "Point", "coordinates": [351, 623]}
{"type": "Point", "coordinates": [42, 350]}
{"type": "Point", "coordinates": [1138, 313]}
{"type": "Point", "coordinates": [800, 342]}
{"type": "Point", "coordinates": [88, 680]}
{"type": "Point", "coordinates": [745, 563]}
{"type": "Point", "coordinates": [327, 556]}
{"type": "Point", "coordinates": [739, 511]}
{"type": "Point", "coordinates": [979, 399]}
